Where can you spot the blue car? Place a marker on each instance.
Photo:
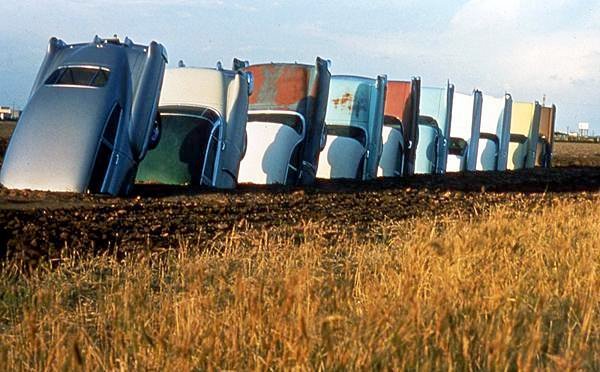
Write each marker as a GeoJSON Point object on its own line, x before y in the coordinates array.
{"type": "Point", "coordinates": [435, 118]}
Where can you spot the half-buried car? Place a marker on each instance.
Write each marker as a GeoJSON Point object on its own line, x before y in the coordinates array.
{"type": "Point", "coordinates": [524, 135]}
{"type": "Point", "coordinates": [546, 139]}
{"type": "Point", "coordinates": [494, 133]}
{"type": "Point", "coordinates": [203, 115]}
{"type": "Point", "coordinates": [435, 117]}
{"type": "Point", "coordinates": [354, 125]}
{"type": "Point", "coordinates": [400, 131]}
{"type": "Point", "coordinates": [90, 119]}
{"type": "Point", "coordinates": [286, 122]}
{"type": "Point", "coordinates": [464, 132]}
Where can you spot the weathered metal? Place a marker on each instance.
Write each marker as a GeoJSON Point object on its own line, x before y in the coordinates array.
{"type": "Point", "coordinates": [435, 103]}
{"type": "Point", "coordinates": [204, 113]}
{"type": "Point", "coordinates": [464, 132]}
{"type": "Point", "coordinates": [90, 118]}
{"type": "Point", "coordinates": [400, 124]}
{"type": "Point", "coordinates": [546, 138]}
{"type": "Point", "coordinates": [297, 89]}
{"type": "Point", "coordinates": [354, 124]}
{"type": "Point", "coordinates": [524, 134]}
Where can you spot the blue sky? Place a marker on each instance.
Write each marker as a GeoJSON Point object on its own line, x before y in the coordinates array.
{"type": "Point", "coordinates": [528, 48]}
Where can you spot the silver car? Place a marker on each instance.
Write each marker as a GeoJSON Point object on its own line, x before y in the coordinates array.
{"type": "Point", "coordinates": [90, 119]}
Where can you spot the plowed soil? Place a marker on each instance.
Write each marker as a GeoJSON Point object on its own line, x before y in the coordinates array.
{"type": "Point", "coordinates": [576, 154]}
{"type": "Point", "coordinates": [40, 224]}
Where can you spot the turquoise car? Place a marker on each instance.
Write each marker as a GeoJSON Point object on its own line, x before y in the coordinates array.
{"type": "Point", "coordinates": [354, 121]}
{"type": "Point", "coordinates": [435, 116]}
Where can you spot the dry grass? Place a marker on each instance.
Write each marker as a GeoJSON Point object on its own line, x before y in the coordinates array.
{"type": "Point", "coordinates": [510, 290]}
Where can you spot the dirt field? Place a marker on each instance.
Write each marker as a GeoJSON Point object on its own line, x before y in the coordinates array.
{"type": "Point", "coordinates": [38, 224]}
{"type": "Point", "coordinates": [568, 154]}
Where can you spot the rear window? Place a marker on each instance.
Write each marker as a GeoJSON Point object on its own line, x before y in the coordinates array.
{"type": "Point", "coordinates": [348, 131]}
{"type": "Point", "coordinates": [458, 146]}
{"type": "Point", "coordinates": [519, 138]}
{"type": "Point", "coordinates": [82, 76]}
{"type": "Point", "coordinates": [292, 121]}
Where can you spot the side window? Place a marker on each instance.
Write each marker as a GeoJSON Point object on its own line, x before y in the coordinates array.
{"type": "Point", "coordinates": [458, 146]}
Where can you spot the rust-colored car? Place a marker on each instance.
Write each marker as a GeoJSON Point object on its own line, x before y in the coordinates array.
{"type": "Point", "coordinates": [400, 128]}
{"type": "Point", "coordinates": [546, 139]}
{"type": "Point", "coordinates": [286, 122]}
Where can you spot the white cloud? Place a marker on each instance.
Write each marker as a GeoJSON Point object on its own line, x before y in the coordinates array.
{"type": "Point", "coordinates": [478, 14]}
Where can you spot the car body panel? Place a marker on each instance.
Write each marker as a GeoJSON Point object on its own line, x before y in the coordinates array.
{"type": "Point", "coordinates": [356, 106]}
{"type": "Point", "coordinates": [64, 161]}
{"type": "Point", "coordinates": [393, 156]}
{"type": "Point", "coordinates": [524, 134]}
{"type": "Point", "coordinates": [430, 136]}
{"type": "Point", "coordinates": [295, 90]}
{"type": "Point", "coordinates": [68, 138]}
{"type": "Point", "coordinates": [400, 141]}
{"type": "Point", "coordinates": [546, 139]}
{"type": "Point", "coordinates": [466, 121]}
{"type": "Point", "coordinates": [494, 132]}
{"type": "Point", "coordinates": [435, 103]}
{"type": "Point", "coordinates": [206, 151]}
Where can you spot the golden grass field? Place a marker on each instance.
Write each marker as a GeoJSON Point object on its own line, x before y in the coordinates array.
{"type": "Point", "coordinates": [509, 289]}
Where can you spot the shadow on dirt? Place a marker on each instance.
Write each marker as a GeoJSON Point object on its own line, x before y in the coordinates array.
{"type": "Point", "coordinates": [573, 179]}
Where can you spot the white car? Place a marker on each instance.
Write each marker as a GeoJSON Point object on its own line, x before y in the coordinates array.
{"type": "Point", "coordinates": [464, 132]}
{"type": "Point", "coordinates": [494, 133]}
{"type": "Point", "coordinates": [203, 115]}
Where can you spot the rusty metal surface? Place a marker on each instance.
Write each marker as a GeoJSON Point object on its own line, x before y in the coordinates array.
{"type": "Point", "coordinates": [351, 101]}
{"type": "Point", "coordinates": [546, 136]}
{"type": "Point", "coordinates": [547, 123]}
{"type": "Point", "coordinates": [282, 86]}
{"type": "Point", "coordinates": [402, 103]}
